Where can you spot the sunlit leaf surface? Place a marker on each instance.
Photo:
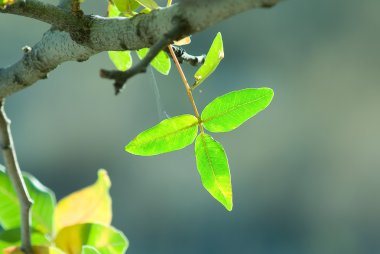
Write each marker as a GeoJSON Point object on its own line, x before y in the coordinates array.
{"type": "Point", "coordinates": [169, 135]}
{"type": "Point", "coordinates": [105, 239]}
{"type": "Point", "coordinates": [12, 237]}
{"type": "Point", "coordinates": [42, 209]}
{"type": "Point", "coordinates": [229, 111]}
{"type": "Point", "coordinates": [121, 59]}
{"type": "Point", "coordinates": [213, 58]}
{"type": "Point", "coordinates": [90, 204]}
{"type": "Point", "coordinates": [161, 62]}
{"type": "Point", "coordinates": [213, 168]}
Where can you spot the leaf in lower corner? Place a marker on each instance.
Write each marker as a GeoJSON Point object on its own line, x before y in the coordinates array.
{"type": "Point", "coordinates": [121, 59]}
{"type": "Point", "coordinates": [35, 250]}
{"type": "Point", "coordinates": [161, 62]}
{"type": "Point", "coordinates": [42, 209]}
{"type": "Point", "coordinates": [86, 249]}
{"type": "Point", "coordinates": [229, 111]}
{"type": "Point", "coordinates": [90, 204]}
{"type": "Point", "coordinates": [213, 58]}
{"type": "Point", "coordinates": [169, 135]}
{"type": "Point", "coordinates": [212, 164]}
{"type": "Point", "coordinates": [105, 239]}
{"type": "Point", "coordinates": [12, 237]}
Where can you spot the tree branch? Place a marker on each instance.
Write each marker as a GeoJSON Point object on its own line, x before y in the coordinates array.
{"type": "Point", "coordinates": [13, 170]}
{"type": "Point", "coordinates": [121, 77]}
{"type": "Point", "coordinates": [78, 38]}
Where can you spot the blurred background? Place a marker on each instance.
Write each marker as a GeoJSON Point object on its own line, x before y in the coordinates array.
{"type": "Point", "coordinates": [305, 172]}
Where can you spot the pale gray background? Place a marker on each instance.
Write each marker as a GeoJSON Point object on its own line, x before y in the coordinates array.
{"type": "Point", "coordinates": [305, 172]}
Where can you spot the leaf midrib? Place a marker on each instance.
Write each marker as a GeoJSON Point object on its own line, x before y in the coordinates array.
{"type": "Point", "coordinates": [232, 109]}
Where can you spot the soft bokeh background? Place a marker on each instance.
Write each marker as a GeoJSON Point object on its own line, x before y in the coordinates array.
{"type": "Point", "coordinates": [306, 171]}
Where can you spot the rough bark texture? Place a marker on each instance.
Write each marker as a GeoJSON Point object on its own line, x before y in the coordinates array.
{"type": "Point", "coordinates": [76, 37]}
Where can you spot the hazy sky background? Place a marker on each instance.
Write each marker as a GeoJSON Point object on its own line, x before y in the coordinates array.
{"type": "Point", "coordinates": [305, 172]}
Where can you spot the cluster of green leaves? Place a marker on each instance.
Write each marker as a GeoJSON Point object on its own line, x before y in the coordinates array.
{"type": "Point", "coordinates": [77, 224]}
{"type": "Point", "coordinates": [123, 59]}
{"type": "Point", "coordinates": [223, 114]}
{"type": "Point", "coordinates": [5, 3]}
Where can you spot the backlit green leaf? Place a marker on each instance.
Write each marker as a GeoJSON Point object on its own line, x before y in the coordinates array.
{"type": "Point", "coordinates": [86, 249]}
{"type": "Point", "coordinates": [161, 62]}
{"type": "Point", "coordinates": [213, 58]}
{"type": "Point", "coordinates": [106, 239]}
{"type": "Point", "coordinates": [126, 6]}
{"type": "Point", "coordinates": [169, 135]}
{"type": "Point", "coordinates": [229, 111]}
{"type": "Point", "coordinates": [35, 250]}
{"type": "Point", "coordinates": [113, 11]}
{"type": "Point", "coordinates": [4, 3]}
{"type": "Point", "coordinates": [121, 59]}
{"type": "Point", "coordinates": [42, 209]}
{"type": "Point", "coordinates": [150, 4]}
{"type": "Point", "coordinates": [212, 164]}
{"type": "Point", "coordinates": [12, 237]}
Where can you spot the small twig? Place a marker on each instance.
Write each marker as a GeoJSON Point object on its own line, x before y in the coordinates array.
{"type": "Point", "coordinates": [121, 77]}
{"type": "Point", "coordinates": [13, 170]}
{"type": "Point", "coordinates": [183, 56]}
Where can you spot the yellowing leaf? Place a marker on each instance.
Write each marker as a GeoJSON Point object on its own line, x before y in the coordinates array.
{"type": "Point", "coordinates": [103, 239]}
{"type": "Point", "coordinates": [36, 250]}
{"type": "Point", "coordinates": [4, 3]}
{"type": "Point", "coordinates": [183, 41]}
{"type": "Point", "coordinates": [91, 204]}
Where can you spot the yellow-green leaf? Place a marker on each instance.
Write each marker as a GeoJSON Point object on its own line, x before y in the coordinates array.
{"type": "Point", "coordinates": [42, 209]}
{"type": "Point", "coordinates": [105, 239]}
{"type": "Point", "coordinates": [121, 59]}
{"type": "Point", "coordinates": [231, 110]}
{"type": "Point", "coordinates": [150, 4]}
{"type": "Point", "coordinates": [212, 164]}
{"type": "Point", "coordinates": [126, 6]}
{"type": "Point", "coordinates": [35, 249]}
{"type": "Point", "coordinates": [169, 135]}
{"type": "Point", "coordinates": [112, 10]}
{"type": "Point", "coordinates": [4, 3]}
{"type": "Point", "coordinates": [91, 204]}
{"type": "Point", "coordinates": [213, 58]}
{"type": "Point", "coordinates": [161, 62]}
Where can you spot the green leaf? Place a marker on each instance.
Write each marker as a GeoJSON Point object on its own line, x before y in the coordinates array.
{"type": "Point", "coordinates": [113, 11]}
{"type": "Point", "coordinates": [4, 3]}
{"type": "Point", "coordinates": [161, 62]}
{"type": "Point", "coordinates": [169, 135]}
{"type": "Point", "coordinates": [213, 58]}
{"type": "Point", "coordinates": [229, 111]}
{"type": "Point", "coordinates": [212, 164]}
{"type": "Point", "coordinates": [89, 250]}
{"type": "Point", "coordinates": [35, 250]}
{"type": "Point", "coordinates": [42, 209]}
{"type": "Point", "coordinates": [126, 6]}
{"type": "Point", "coordinates": [106, 239]}
{"type": "Point", "coordinates": [121, 59]}
{"type": "Point", "coordinates": [150, 4]}
{"type": "Point", "coordinates": [12, 237]}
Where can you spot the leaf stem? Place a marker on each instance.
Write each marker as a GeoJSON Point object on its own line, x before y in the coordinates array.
{"type": "Point", "coordinates": [14, 172]}
{"type": "Point", "coordinates": [188, 89]}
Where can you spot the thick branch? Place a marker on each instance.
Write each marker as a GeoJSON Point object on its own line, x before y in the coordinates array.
{"type": "Point", "coordinates": [18, 183]}
{"type": "Point", "coordinates": [94, 34]}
